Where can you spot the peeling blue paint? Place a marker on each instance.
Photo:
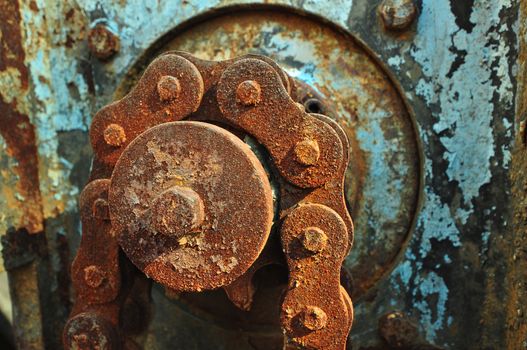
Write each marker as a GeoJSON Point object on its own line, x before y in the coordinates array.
{"type": "Point", "coordinates": [430, 284]}
{"type": "Point", "coordinates": [461, 99]}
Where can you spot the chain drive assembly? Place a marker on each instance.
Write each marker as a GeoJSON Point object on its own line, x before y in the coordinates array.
{"type": "Point", "coordinates": [176, 196]}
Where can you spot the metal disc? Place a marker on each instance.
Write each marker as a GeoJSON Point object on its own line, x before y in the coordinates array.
{"type": "Point", "coordinates": [176, 166]}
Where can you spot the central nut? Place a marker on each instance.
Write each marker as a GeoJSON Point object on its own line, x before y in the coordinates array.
{"type": "Point", "coordinates": [177, 211]}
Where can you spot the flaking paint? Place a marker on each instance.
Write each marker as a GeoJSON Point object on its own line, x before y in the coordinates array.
{"type": "Point", "coordinates": [461, 106]}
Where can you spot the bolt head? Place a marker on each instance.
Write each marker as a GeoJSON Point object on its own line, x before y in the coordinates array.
{"type": "Point", "coordinates": [168, 88]}
{"type": "Point", "coordinates": [94, 276]}
{"type": "Point", "coordinates": [398, 14]}
{"type": "Point", "coordinates": [307, 152]}
{"type": "Point", "coordinates": [313, 318]}
{"type": "Point", "coordinates": [114, 135]}
{"type": "Point", "coordinates": [102, 42]}
{"type": "Point", "coordinates": [314, 240]}
{"type": "Point", "coordinates": [248, 93]}
{"type": "Point", "coordinates": [177, 211]}
{"type": "Point", "coordinates": [81, 341]}
{"type": "Point", "coordinates": [89, 331]}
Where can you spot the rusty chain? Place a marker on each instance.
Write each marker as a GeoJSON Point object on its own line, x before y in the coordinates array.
{"type": "Point", "coordinates": [178, 199]}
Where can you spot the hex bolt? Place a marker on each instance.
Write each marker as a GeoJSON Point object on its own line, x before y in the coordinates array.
{"type": "Point", "coordinates": [248, 93]}
{"type": "Point", "coordinates": [397, 14]}
{"type": "Point", "coordinates": [94, 276]}
{"type": "Point", "coordinates": [114, 135]}
{"type": "Point", "coordinates": [101, 209]}
{"type": "Point", "coordinates": [307, 152]}
{"type": "Point", "coordinates": [313, 318]}
{"type": "Point", "coordinates": [102, 42]}
{"type": "Point", "coordinates": [177, 211]}
{"type": "Point", "coordinates": [168, 88]}
{"type": "Point", "coordinates": [314, 239]}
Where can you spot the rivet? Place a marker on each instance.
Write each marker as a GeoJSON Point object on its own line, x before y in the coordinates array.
{"type": "Point", "coordinates": [314, 239]}
{"type": "Point", "coordinates": [89, 331]}
{"type": "Point", "coordinates": [168, 88]}
{"type": "Point", "coordinates": [313, 318]}
{"type": "Point", "coordinates": [397, 14]}
{"type": "Point", "coordinates": [307, 152]}
{"type": "Point", "coordinates": [248, 93]}
{"type": "Point", "coordinates": [102, 42]}
{"type": "Point", "coordinates": [114, 135]}
{"type": "Point", "coordinates": [93, 276]}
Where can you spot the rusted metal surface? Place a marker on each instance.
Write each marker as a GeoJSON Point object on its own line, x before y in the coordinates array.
{"type": "Point", "coordinates": [314, 312]}
{"type": "Point", "coordinates": [369, 109]}
{"type": "Point", "coordinates": [102, 42]}
{"type": "Point", "coordinates": [191, 206]}
{"type": "Point", "coordinates": [222, 174]}
{"type": "Point", "coordinates": [15, 127]}
{"type": "Point", "coordinates": [397, 14]}
{"type": "Point", "coordinates": [96, 277]}
{"type": "Point", "coordinates": [95, 271]}
{"type": "Point", "coordinates": [285, 124]}
{"type": "Point", "coordinates": [88, 331]}
{"type": "Point", "coordinates": [516, 261]}
{"type": "Point", "coordinates": [25, 295]}
{"type": "Point", "coordinates": [465, 126]}
{"type": "Point", "coordinates": [147, 105]}
{"type": "Point", "coordinates": [241, 292]}
{"type": "Point", "coordinates": [107, 287]}
{"type": "Point", "coordinates": [20, 198]}
{"type": "Point", "coordinates": [21, 252]}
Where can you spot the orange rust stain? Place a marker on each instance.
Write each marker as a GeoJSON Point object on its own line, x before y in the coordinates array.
{"type": "Point", "coordinates": [15, 127]}
{"type": "Point", "coordinates": [12, 53]}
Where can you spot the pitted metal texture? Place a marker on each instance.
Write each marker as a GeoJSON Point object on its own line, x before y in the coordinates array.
{"type": "Point", "coordinates": [191, 206]}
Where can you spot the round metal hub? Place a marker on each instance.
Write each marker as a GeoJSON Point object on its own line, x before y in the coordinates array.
{"type": "Point", "coordinates": [191, 204]}
{"type": "Point", "coordinates": [383, 181]}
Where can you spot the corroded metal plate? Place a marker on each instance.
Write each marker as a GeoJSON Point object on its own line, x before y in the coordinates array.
{"type": "Point", "coordinates": [233, 191]}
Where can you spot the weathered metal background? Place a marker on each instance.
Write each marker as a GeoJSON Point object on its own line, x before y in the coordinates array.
{"type": "Point", "coordinates": [435, 187]}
